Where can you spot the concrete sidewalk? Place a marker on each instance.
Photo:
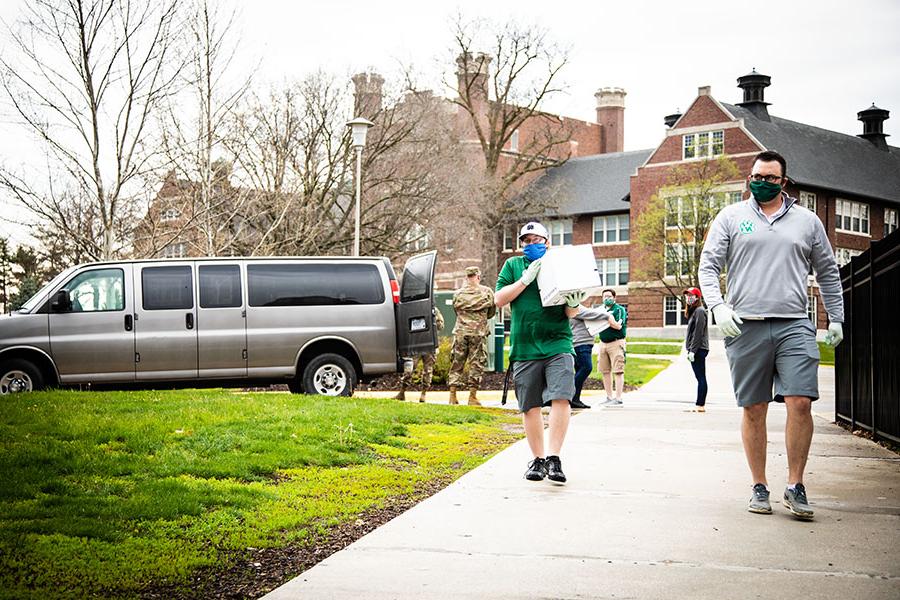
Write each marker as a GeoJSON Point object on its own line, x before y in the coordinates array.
{"type": "Point", "coordinates": [655, 507]}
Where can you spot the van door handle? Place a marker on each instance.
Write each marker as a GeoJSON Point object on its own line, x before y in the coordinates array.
{"type": "Point", "coordinates": [129, 323]}
{"type": "Point", "coordinates": [189, 320]}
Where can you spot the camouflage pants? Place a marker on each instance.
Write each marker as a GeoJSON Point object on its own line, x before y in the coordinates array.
{"type": "Point", "coordinates": [427, 370]}
{"type": "Point", "coordinates": [467, 349]}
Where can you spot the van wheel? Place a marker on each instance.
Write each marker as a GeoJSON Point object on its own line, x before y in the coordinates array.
{"type": "Point", "coordinates": [295, 386]}
{"type": "Point", "coordinates": [329, 375]}
{"type": "Point", "coordinates": [18, 376]}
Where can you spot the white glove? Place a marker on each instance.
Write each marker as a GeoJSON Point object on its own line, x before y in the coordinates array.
{"type": "Point", "coordinates": [834, 335]}
{"type": "Point", "coordinates": [531, 273]}
{"type": "Point", "coordinates": [728, 320]}
{"type": "Point", "coordinates": [691, 356]}
{"type": "Point", "coordinates": [574, 299]}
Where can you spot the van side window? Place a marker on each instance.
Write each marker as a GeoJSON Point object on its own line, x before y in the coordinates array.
{"type": "Point", "coordinates": [314, 284]}
{"type": "Point", "coordinates": [220, 286]}
{"type": "Point", "coordinates": [97, 291]}
{"type": "Point", "coordinates": [167, 288]}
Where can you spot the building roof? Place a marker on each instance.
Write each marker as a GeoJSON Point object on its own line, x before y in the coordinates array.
{"type": "Point", "coordinates": [828, 159]}
{"type": "Point", "coordinates": [599, 183]}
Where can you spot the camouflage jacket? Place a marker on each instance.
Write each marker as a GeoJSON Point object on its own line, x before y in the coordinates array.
{"type": "Point", "coordinates": [473, 306]}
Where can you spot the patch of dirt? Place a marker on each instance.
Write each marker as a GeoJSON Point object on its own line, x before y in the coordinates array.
{"type": "Point", "coordinates": [489, 381]}
{"type": "Point", "coordinates": [258, 571]}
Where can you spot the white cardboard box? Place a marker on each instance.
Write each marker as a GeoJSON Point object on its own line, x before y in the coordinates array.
{"type": "Point", "coordinates": [567, 269]}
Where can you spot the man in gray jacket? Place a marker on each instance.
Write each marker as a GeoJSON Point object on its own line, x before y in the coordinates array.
{"type": "Point", "coordinates": [770, 245]}
{"type": "Point", "coordinates": [583, 341]}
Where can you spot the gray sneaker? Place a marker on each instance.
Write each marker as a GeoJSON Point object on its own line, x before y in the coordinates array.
{"type": "Point", "coordinates": [796, 502]}
{"type": "Point", "coordinates": [612, 402]}
{"type": "Point", "coordinates": [759, 501]}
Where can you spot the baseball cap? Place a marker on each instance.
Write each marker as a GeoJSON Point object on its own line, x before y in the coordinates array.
{"type": "Point", "coordinates": [535, 228]}
{"type": "Point", "coordinates": [473, 271]}
{"type": "Point", "coordinates": [693, 291]}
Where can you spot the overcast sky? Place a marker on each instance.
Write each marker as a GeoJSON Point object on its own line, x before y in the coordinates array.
{"type": "Point", "coordinates": [828, 59]}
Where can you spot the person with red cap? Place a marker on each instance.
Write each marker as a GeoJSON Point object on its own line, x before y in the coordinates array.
{"type": "Point", "coordinates": [697, 342]}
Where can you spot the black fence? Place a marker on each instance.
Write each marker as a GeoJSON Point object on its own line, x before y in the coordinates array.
{"type": "Point", "coordinates": [867, 363]}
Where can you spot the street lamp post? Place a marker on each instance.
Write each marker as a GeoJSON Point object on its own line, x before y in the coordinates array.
{"type": "Point", "coordinates": [358, 129]}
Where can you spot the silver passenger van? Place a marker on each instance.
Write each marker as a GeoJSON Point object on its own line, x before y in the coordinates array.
{"type": "Point", "coordinates": [318, 324]}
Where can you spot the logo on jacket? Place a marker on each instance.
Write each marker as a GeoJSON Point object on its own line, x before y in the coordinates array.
{"type": "Point", "coordinates": [746, 226]}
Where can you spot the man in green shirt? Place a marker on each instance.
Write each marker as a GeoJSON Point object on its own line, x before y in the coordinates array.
{"type": "Point", "coordinates": [612, 349]}
{"type": "Point", "coordinates": [541, 354]}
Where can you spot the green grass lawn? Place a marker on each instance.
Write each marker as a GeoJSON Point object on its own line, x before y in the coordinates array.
{"type": "Point", "coordinates": [107, 493]}
{"type": "Point", "coordinates": [644, 348]}
{"type": "Point", "coordinates": [638, 371]}
{"type": "Point", "coordinates": [654, 339]}
{"type": "Point", "coordinates": [826, 354]}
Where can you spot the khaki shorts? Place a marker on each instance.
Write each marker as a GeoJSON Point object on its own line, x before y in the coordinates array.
{"type": "Point", "coordinates": [612, 357]}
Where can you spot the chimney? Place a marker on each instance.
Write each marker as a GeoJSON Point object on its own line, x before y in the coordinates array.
{"type": "Point", "coordinates": [611, 117]}
{"type": "Point", "coordinates": [670, 120]}
{"type": "Point", "coordinates": [873, 119]}
{"type": "Point", "coordinates": [367, 95]}
{"type": "Point", "coordinates": [754, 86]}
{"type": "Point", "coordinates": [472, 75]}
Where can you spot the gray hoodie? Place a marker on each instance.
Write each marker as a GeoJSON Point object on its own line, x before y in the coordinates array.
{"type": "Point", "coordinates": [768, 263]}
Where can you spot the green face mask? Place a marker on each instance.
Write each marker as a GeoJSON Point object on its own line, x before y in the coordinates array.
{"type": "Point", "coordinates": [609, 302]}
{"type": "Point", "coordinates": [764, 191]}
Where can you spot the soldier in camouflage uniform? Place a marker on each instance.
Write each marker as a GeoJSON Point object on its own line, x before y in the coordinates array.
{"type": "Point", "coordinates": [474, 305]}
{"type": "Point", "coordinates": [427, 366]}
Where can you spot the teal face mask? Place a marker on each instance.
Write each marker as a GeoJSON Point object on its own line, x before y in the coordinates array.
{"type": "Point", "coordinates": [764, 191]}
{"type": "Point", "coordinates": [609, 302]}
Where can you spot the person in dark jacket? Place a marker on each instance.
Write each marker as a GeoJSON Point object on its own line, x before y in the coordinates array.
{"type": "Point", "coordinates": [697, 343]}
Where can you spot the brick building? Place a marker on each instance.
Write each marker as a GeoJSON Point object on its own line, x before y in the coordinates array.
{"type": "Point", "coordinates": [580, 139]}
{"type": "Point", "coordinates": [851, 182]}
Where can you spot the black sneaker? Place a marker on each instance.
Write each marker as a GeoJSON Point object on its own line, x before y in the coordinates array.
{"type": "Point", "coordinates": [554, 469]}
{"type": "Point", "coordinates": [578, 404]}
{"type": "Point", "coordinates": [537, 470]}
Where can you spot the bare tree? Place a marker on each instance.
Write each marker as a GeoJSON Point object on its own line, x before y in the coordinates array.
{"type": "Point", "coordinates": [85, 77]}
{"type": "Point", "coordinates": [501, 94]}
{"type": "Point", "coordinates": [197, 122]}
{"type": "Point", "coordinates": [293, 150]}
{"type": "Point", "coordinates": [669, 233]}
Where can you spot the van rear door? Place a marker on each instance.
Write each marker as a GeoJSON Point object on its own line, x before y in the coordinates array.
{"type": "Point", "coordinates": [415, 327]}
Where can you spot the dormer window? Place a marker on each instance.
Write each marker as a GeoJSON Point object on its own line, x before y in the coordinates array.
{"type": "Point", "coordinates": [169, 214]}
{"type": "Point", "coordinates": [703, 145]}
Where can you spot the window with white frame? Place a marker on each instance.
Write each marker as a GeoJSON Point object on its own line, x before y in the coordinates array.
{"type": "Point", "coordinates": [417, 238]}
{"type": "Point", "coordinates": [811, 304]}
{"type": "Point", "coordinates": [611, 229]}
{"type": "Point", "coordinates": [703, 145]}
{"type": "Point", "coordinates": [890, 221]}
{"type": "Point", "coordinates": [509, 238]}
{"type": "Point", "coordinates": [733, 197]}
{"type": "Point", "coordinates": [843, 255]}
{"type": "Point", "coordinates": [852, 217]}
{"type": "Point", "coordinates": [175, 250]}
{"type": "Point", "coordinates": [613, 271]}
{"type": "Point", "coordinates": [673, 313]}
{"type": "Point", "coordinates": [808, 200]}
{"type": "Point", "coordinates": [679, 259]}
{"type": "Point", "coordinates": [514, 141]}
{"type": "Point", "coordinates": [560, 232]}
{"type": "Point", "coordinates": [169, 214]}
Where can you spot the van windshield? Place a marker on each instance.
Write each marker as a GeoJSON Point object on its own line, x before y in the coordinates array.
{"type": "Point", "coordinates": [35, 300]}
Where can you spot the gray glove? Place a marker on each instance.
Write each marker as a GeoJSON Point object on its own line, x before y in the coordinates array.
{"type": "Point", "coordinates": [834, 335]}
{"type": "Point", "coordinates": [531, 273]}
{"type": "Point", "coordinates": [727, 320]}
{"type": "Point", "coordinates": [574, 299]}
{"type": "Point", "coordinates": [690, 356]}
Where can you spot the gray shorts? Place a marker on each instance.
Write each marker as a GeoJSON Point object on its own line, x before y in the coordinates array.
{"type": "Point", "coordinates": [775, 352]}
{"type": "Point", "coordinates": [537, 381]}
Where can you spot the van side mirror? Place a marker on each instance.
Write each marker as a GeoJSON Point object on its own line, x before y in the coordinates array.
{"type": "Point", "coordinates": [61, 302]}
